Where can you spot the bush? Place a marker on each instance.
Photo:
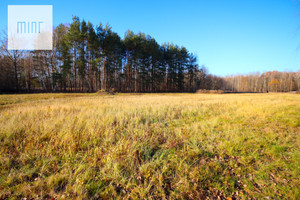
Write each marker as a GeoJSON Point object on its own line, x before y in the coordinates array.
{"type": "Point", "coordinates": [106, 92]}
{"type": "Point", "coordinates": [210, 91]}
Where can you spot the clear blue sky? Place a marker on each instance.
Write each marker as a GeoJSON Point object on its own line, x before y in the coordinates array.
{"type": "Point", "coordinates": [228, 36]}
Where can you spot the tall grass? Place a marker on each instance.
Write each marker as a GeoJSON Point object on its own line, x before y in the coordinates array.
{"type": "Point", "coordinates": [153, 146]}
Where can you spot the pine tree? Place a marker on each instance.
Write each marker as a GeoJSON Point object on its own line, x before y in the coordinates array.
{"type": "Point", "coordinates": [73, 38]}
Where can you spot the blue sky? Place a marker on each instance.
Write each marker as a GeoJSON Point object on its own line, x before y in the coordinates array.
{"type": "Point", "coordinates": [228, 36]}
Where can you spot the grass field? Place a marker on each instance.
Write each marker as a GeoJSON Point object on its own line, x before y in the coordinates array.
{"type": "Point", "coordinates": [150, 146]}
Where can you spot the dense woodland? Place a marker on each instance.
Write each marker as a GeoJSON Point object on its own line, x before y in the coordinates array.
{"type": "Point", "coordinates": [87, 58]}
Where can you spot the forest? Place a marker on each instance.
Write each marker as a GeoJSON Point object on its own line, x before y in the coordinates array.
{"type": "Point", "coordinates": [88, 58]}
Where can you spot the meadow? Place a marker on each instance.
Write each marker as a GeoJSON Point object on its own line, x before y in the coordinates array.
{"type": "Point", "coordinates": [150, 146]}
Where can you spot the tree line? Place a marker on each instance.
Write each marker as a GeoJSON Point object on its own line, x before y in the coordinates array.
{"type": "Point", "coordinates": [272, 81]}
{"type": "Point", "coordinates": [88, 58]}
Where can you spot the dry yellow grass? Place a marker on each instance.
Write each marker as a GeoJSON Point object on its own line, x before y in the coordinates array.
{"type": "Point", "coordinates": [154, 146]}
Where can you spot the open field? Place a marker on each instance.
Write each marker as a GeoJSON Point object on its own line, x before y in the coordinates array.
{"type": "Point", "coordinates": [154, 146]}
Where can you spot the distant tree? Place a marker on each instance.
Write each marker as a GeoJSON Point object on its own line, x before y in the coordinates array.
{"type": "Point", "coordinates": [297, 79]}
{"type": "Point", "coordinates": [13, 58]}
{"type": "Point", "coordinates": [74, 39]}
{"type": "Point", "coordinates": [92, 53]}
{"type": "Point", "coordinates": [64, 55]}
{"type": "Point", "coordinates": [192, 68]}
{"type": "Point", "coordinates": [82, 46]}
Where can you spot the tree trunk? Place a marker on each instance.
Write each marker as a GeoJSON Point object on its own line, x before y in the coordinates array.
{"type": "Point", "coordinates": [75, 74]}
